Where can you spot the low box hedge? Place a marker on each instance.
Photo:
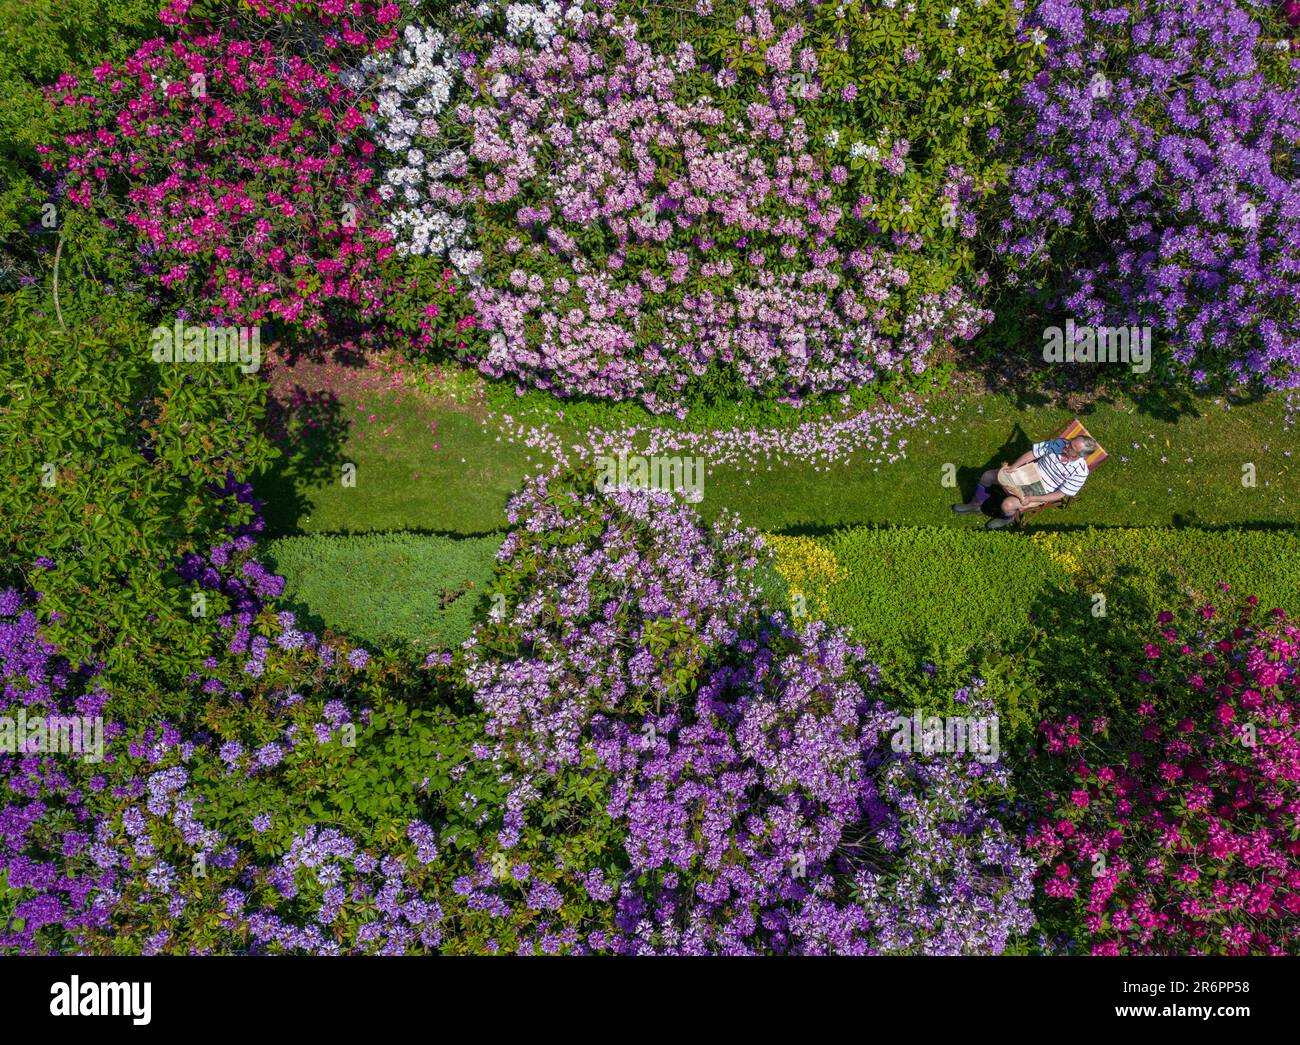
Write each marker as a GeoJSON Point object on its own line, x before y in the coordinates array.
{"type": "Point", "coordinates": [950, 588]}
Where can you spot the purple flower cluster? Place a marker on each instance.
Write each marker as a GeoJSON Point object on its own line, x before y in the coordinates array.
{"type": "Point", "coordinates": [775, 819]}
{"type": "Point", "coordinates": [754, 799]}
{"type": "Point", "coordinates": [85, 847]}
{"type": "Point", "coordinates": [394, 919]}
{"type": "Point", "coordinates": [1157, 176]}
{"type": "Point", "coordinates": [251, 584]}
{"type": "Point", "coordinates": [46, 827]}
{"type": "Point", "coordinates": [615, 620]}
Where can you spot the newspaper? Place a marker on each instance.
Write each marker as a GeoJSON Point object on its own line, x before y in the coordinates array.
{"type": "Point", "coordinates": [1022, 482]}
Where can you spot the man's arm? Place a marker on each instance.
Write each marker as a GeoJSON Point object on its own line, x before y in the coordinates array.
{"type": "Point", "coordinates": [1024, 458]}
{"type": "Point", "coordinates": [1046, 498]}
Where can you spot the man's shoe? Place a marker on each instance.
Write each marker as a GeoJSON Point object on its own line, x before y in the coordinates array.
{"type": "Point", "coordinates": [1000, 523]}
{"type": "Point", "coordinates": [965, 509]}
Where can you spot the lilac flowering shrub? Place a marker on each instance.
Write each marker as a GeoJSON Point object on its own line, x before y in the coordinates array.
{"type": "Point", "coordinates": [609, 605]}
{"type": "Point", "coordinates": [639, 223]}
{"type": "Point", "coordinates": [1155, 183]}
{"type": "Point", "coordinates": [42, 893]}
{"type": "Point", "coordinates": [241, 832]}
{"type": "Point", "coordinates": [726, 782]}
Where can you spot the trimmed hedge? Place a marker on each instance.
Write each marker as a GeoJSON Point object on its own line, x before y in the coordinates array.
{"type": "Point", "coordinates": [404, 589]}
{"type": "Point", "coordinates": [913, 588]}
{"type": "Point", "coordinates": [947, 589]}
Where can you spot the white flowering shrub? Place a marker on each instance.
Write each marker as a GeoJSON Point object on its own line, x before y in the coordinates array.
{"type": "Point", "coordinates": [413, 86]}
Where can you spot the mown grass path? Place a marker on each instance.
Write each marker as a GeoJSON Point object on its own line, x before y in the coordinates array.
{"type": "Point", "coordinates": [434, 470]}
{"type": "Point", "coordinates": [434, 465]}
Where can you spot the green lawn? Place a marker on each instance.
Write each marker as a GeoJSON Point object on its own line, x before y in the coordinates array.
{"type": "Point", "coordinates": [1047, 617]}
{"type": "Point", "coordinates": [1185, 472]}
{"type": "Point", "coordinates": [388, 589]}
{"type": "Point", "coordinates": [440, 468]}
{"type": "Point", "coordinates": [930, 588]}
{"type": "Point", "coordinates": [454, 477]}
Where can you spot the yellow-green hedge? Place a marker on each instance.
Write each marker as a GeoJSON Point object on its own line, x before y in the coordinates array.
{"type": "Point", "coordinates": [950, 588]}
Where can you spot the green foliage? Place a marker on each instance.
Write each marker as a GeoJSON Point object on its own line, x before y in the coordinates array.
{"type": "Point", "coordinates": [1022, 611]}
{"type": "Point", "coordinates": [569, 827]}
{"type": "Point", "coordinates": [111, 464]}
{"type": "Point", "coordinates": [918, 76]}
{"type": "Point", "coordinates": [40, 41]}
{"type": "Point", "coordinates": [369, 780]}
{"type": "Point", "coordinates": [404, 588]}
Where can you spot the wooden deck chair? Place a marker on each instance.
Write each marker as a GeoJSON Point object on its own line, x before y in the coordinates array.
{"type": "Point", "coordinates": [1094, 459]}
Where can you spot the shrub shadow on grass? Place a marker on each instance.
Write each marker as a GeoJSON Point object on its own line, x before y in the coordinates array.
{"type": "Point", "coordinates": [1015, 444]}
{"type": "Point", "coordinates": [310, 431]}
{"type": "Point", "coordinates": [1077, 660]}
{"type": "Point", "coordinates": [1182, 522]}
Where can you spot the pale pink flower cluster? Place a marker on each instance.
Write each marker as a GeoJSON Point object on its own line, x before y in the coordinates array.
{"type": "Point", "coordinates": [649, 241]}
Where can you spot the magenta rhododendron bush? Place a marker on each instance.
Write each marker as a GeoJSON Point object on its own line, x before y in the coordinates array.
{"type": "Point", "coordinates": [1176, 834]}
{"type": "Point", "coordinates": [240, 165]}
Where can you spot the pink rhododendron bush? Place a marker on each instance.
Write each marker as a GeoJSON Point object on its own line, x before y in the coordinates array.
{"type": "Point", "coordinates": [641, 223]}
{"type": "Point", "coordinates": [1175, 833]}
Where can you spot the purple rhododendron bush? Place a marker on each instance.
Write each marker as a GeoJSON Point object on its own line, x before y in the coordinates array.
{"type": "Point", "coordinates": [1155, 184]}
{"type": "Point", "coordinates": [744, 766]}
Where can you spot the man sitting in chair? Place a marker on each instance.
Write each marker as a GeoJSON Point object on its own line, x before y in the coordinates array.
{"type": "Point", "coordinates": [1064, 467]}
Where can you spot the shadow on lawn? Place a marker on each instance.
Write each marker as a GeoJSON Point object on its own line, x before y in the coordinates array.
{"type": "Point", "coordinates": [968, 477]}
{"type": "Point", "coordinates": [1089, 664]}
{"type": "Point", "coordinates": [1008, 355]}
{"type": "Point", "coordinates": [310, 430]}
{"type": "Point", "coordinates": [1181, 522]}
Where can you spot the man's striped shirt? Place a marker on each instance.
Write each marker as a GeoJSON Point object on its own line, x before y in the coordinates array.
{"type": "Point", "coordinates": [1058, 473]}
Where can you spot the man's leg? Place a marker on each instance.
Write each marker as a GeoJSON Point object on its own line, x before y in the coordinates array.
{"type": "Point", "coordinates": [987, 481]}
{"type": "Point", "coordinates": [1010, 506]}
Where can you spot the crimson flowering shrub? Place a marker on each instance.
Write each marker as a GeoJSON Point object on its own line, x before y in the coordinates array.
{"type": "Point", "coordinates": [690, 774]}
{"type": "Point", "coordinates": [1155, 183]}
{"type": "Point", "coordinates": [1175, 833]}
{"type": "Point", "coordinates": [237, 160]}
